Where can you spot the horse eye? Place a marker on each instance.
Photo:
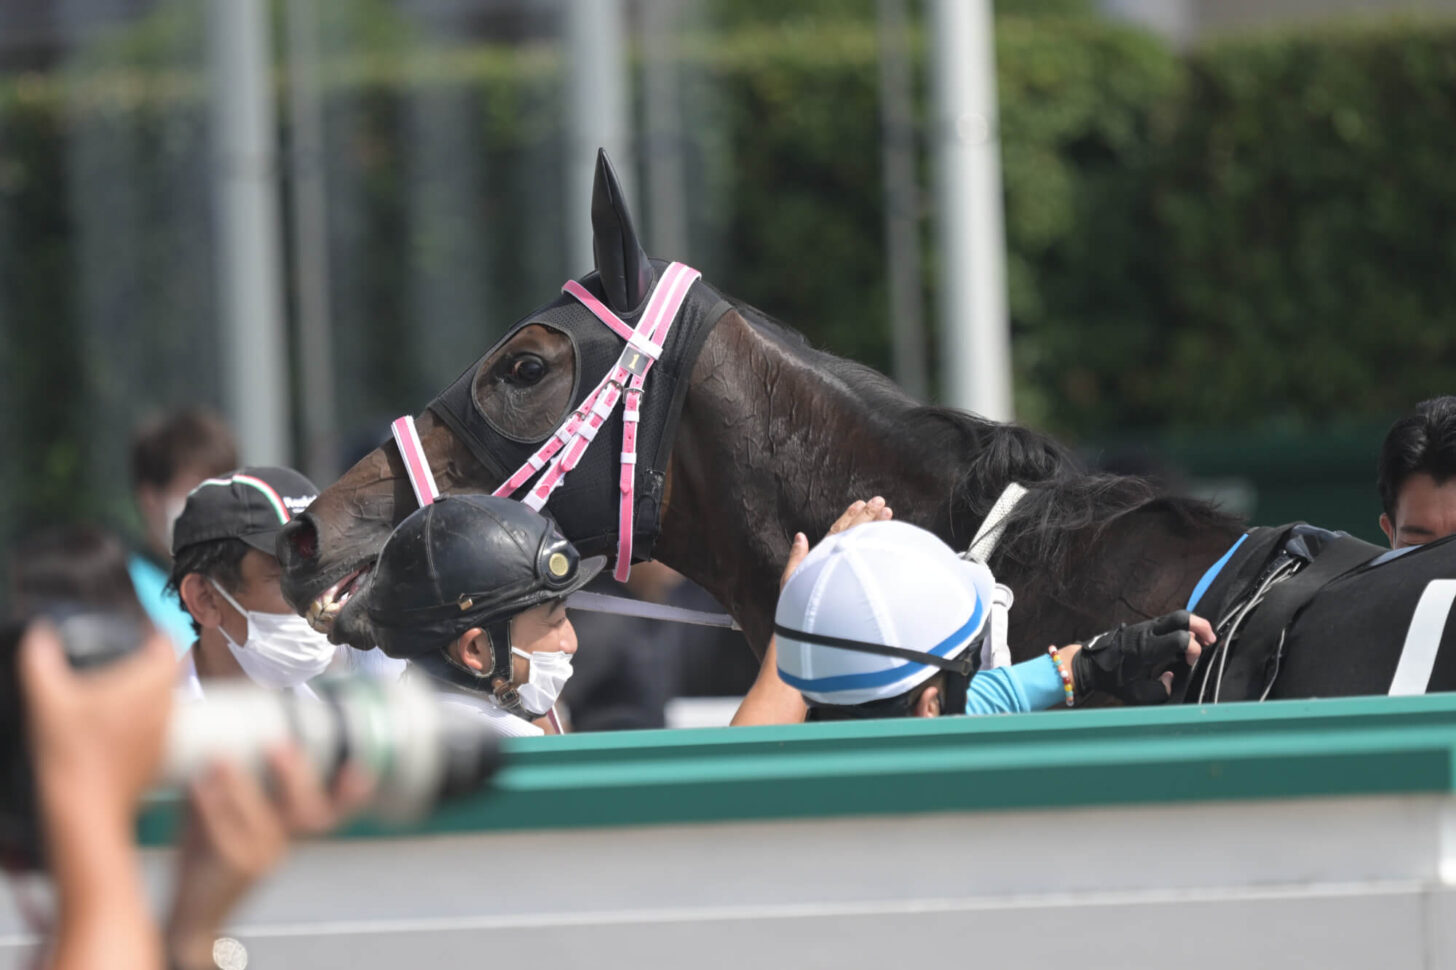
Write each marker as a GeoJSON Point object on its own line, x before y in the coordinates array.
{"type": "Point", "coordinates": [526, 370]}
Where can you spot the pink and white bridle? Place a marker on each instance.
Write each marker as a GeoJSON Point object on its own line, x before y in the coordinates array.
{"type": "Point", "coordinates": [563, 449]}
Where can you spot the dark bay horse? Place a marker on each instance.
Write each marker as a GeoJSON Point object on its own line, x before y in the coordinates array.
{"type": "Point", "coordinates": [772, 437]}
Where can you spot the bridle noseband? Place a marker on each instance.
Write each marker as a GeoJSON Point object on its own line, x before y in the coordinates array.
{"type": "Point", "coordinates": [623, 383]}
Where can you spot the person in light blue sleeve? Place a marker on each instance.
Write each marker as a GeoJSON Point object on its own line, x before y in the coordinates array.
{"type": "Point", "coordinates": [170, 456]}
{"type": "Point", "coordinates": [885, 620]}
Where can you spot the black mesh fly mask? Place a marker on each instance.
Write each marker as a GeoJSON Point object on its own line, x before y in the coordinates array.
{"type": "Point", "coordinates": [632, 374]}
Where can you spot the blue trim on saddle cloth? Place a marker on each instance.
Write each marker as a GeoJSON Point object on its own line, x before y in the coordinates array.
{"type": "Point", "coordinates": [1386, 557]}
{"type": "Point", "coordinates": [1212, 574]}
{"type": "Point", "coordinates": [879, 678]}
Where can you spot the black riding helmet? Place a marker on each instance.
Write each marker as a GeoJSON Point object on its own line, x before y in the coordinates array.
{"type": "Point", "coordinates": [468, 561]}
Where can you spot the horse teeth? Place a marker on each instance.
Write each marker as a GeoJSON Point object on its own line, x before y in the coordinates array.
{"type": "Point", "coordinates": [323, 611]}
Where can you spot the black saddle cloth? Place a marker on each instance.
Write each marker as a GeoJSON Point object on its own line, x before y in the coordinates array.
{"type": "Point", "coordinates": [1343, 633]}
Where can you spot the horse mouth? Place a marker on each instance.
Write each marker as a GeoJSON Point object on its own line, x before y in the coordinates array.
{"type": "Point", "coordinates": [324, 612]}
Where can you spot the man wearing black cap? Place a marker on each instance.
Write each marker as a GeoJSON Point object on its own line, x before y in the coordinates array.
{"type": "Point", "coordinates": [471, 589]}
{"type": "Point", "coordinates": [224, 568]}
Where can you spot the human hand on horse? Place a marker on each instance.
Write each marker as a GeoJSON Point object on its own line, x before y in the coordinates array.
{"type": "Point", "coordinates": [858, 513]}
{"type": "Point", "coordinates": [770, 700]}
{"type": "Point", "coordinates": [1134, 663]}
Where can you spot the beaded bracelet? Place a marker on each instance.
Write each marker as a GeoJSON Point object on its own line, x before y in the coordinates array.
{"type": "Point", "coordinates": [1067, 688]}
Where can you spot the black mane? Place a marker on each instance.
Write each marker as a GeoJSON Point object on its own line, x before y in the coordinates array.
{"type": "Point", "coordinates": [1066, 507]}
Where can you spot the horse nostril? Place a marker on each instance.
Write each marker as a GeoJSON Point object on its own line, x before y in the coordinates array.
{"type": "Point", "coordinates": [302, 538]}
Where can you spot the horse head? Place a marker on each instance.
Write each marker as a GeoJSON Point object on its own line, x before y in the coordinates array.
{"type": "Point", "coordinates": [493, 419]}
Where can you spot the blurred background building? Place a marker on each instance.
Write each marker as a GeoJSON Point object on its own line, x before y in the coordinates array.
{"type": "Point", "coordinates": [1227, 258]}
{"type": "Point", "coordinates": [1188, 20]}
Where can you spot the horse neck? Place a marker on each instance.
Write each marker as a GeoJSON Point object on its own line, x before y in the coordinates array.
{"type": "Point", "coordinates": [771, 444]}
{"type": "Point", "coordinates": [1139, 565]}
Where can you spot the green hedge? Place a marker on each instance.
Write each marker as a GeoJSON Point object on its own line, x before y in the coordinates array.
{"type": "Point", "coordinates": [1306, 208]}
{"type": "Point", "coordinates": [1250, 234]}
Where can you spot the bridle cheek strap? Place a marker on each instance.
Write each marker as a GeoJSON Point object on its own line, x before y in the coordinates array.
{"type": "Point", "coordinates": [624, 382]}
{"type": "Point", "coordinates": [563, 450]}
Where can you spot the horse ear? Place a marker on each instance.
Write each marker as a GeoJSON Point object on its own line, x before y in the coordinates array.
{"type": "Point", "coordinates": [623, 267]}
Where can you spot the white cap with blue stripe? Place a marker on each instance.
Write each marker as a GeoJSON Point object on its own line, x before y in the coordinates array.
{"type": "Point", "coordinates": [886, 585]}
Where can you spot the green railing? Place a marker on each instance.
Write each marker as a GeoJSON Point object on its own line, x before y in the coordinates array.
{"type": "Point", "coordinates": [1288, 749]}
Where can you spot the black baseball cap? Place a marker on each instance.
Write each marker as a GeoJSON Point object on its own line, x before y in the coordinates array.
{"type": "Point", "coordinates": [251, 504]}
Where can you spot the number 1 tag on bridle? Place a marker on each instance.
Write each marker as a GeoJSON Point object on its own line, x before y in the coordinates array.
{"type": "Point", "coordinates": [622, 384]}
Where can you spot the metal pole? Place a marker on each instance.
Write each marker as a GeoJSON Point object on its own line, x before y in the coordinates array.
{"type": "Point", "coordinates": [245, 201]}
{"type": "Point", "coordinates": [667, 196]}
{"type": "Point", "coordinates": [598, 115]}
{"type": "Point", "coordinates": [310, 232]}
{"type": "Point", "coordinates": [974, 324]}
{"type": "Point", "coordinates": [902, 202]}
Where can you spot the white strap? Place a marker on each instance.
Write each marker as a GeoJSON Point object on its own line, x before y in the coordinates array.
{"type": "Point", "coordinates": [604, 406]}
{"type": "Point", "coordinates": [995, 652]}
{"type": "Point", "coordinates": [644, 345]}
{"type": "Point", "coordinates": [990, 531]}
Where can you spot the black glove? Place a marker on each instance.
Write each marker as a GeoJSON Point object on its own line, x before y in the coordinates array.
{"type": "Point", "coordinates": [1126, 662]}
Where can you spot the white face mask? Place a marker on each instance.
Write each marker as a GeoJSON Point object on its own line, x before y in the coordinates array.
{"type": "Point", "coordinates": [281, 649]}
{"type": "Point", "coordinates": [550, 670]}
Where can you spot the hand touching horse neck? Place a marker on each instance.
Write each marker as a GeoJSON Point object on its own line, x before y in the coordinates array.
{"type": "Point", "coordinates": [777, 438]}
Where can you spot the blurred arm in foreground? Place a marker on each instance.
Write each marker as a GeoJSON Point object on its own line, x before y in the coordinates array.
{"type": "Point", "coordinates": [97, 741]}
{"type": "Point", "coordinates": [236, 834]}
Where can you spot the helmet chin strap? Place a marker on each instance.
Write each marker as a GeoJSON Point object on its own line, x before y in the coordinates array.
{"type": "Point", "coordinates": [498, 635]}
{"type": "Point", "coordinates": [495, 679]}
{"type": "Point", "coordinates": [957, 685]}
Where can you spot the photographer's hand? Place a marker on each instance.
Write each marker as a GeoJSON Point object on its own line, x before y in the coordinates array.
{"type": "Point", "coordinates": [96, 740]}
{"type": "Point", "coordinates": [236, 834]}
